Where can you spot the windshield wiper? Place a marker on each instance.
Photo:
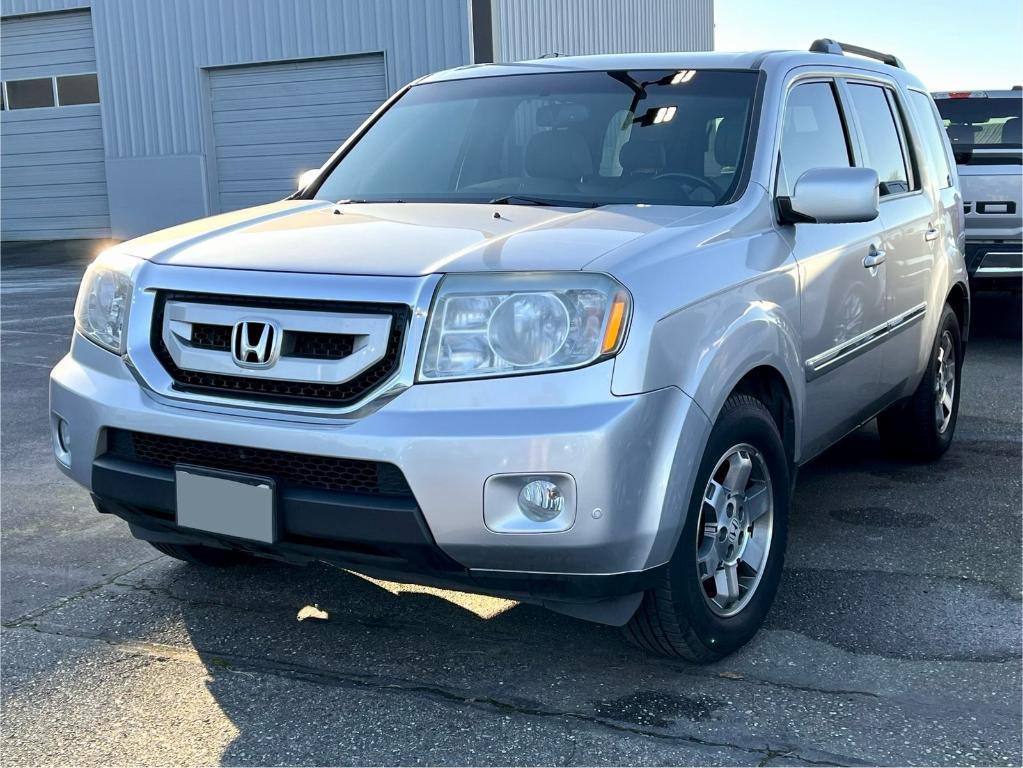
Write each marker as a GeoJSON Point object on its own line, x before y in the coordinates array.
{"type": "Point", "coordinates": [356, 200]}
{"type": "Point", "coordinates": [549, 201]}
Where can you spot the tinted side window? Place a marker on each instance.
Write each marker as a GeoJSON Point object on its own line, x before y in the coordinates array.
{"type": "Point", "coordinates": [882, 146]}
{"type": "Point", "coordinates": [927, 119]}
{"type": "Point", "coordinates": [812, 134]}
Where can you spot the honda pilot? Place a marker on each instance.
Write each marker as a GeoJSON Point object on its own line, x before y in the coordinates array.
{"type": "Point", "coordinates": [558, 331]}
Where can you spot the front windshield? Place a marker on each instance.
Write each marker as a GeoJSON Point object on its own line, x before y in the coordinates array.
{"type": "Point", "coordinates": [573, 139]}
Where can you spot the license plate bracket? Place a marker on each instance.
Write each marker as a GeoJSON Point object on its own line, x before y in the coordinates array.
{"type": "Point", "coordinates": [226, 503]}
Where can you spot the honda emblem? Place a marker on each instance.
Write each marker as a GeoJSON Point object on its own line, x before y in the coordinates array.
{"type": "Point", "coordinates": [256, 343]}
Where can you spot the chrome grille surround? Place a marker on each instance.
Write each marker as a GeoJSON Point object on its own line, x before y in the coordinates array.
{"type": "Point", "coordinates": [405, 301]}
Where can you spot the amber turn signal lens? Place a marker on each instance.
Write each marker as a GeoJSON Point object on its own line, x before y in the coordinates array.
{"type": "Point", "coordinates": [615, 324]}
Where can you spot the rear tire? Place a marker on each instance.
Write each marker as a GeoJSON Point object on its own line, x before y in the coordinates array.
{"type": "Point", "coordinates": [921, 427]}
{"type": "Point", "coordinates": [197, 554]}
{"type": "Point", "coordinates": [685, 614]}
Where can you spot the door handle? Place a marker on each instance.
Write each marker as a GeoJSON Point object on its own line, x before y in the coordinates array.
{"type": "Point", "coordinates": [931, 234]}
{"type": "Point", "coordinates": [875, 258]}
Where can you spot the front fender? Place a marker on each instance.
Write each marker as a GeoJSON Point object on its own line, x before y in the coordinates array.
{"type": "Point", "coordinates": [706, 348]}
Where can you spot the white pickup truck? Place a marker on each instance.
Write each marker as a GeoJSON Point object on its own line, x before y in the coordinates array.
{"type": "Point", "coordinates": [984, 128]}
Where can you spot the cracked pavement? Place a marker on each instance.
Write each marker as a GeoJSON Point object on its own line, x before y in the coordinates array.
{"type": "Point", "coordinates": [895, 638]}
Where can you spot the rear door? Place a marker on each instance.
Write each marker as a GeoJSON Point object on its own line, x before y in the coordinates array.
{"type": "Point", "coordinates": [911, 229]}
{"type": "Point", "coordinates": [843, 302]}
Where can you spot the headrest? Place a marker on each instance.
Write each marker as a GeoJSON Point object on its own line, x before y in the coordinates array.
{"type": "Point", "coordinates": [638, 155]}
{"type": "Point", "coordinates": [560, 154]}
{"type": "Point", "coordinates": [561, 115]}
{"type": "Point", "coordinates": [727, 142]}
{"type": "Point", "coordinates": [962, 134]}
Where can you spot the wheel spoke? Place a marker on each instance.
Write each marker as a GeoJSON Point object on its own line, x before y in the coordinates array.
{"type": "Point", "coordinates": [709, 561]}
{"type": "Point", "coordinates": [727, 583]}
{"type": "Point", "coordinates": [946, 401]}
{"type": "Point", "coordinates": [757, 503]}
{"type": "Point", "coordinates": [753, 555]}
{"type": "Point", "coordinates": [715, 498]}
{"type": "Point", "coordinates": [739, 468]}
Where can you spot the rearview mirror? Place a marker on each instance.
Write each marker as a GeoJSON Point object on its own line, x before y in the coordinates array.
{"type": "Point", "coordinates": [307, 177]}
{"type": "Point", "coordinates": [832, 196]}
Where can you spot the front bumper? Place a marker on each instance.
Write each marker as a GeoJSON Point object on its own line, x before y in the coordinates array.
{"type": "Point", "coordinates": [632, 458]}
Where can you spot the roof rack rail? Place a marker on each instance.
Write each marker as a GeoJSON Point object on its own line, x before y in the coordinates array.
{"type": "Point", "coordinates": [827, 45]}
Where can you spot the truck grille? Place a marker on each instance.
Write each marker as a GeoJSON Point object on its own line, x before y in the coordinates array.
{"type": "Point", "coordinates": [299, 469]}
{"type": "Point", "coordinates": [298, 344]}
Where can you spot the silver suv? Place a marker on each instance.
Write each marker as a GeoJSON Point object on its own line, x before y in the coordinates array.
{"type": "Point", "coordinates": [560, 331]}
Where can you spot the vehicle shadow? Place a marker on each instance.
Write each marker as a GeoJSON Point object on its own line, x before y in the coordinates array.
{"type": "Point", "coordinates": [414, 649]}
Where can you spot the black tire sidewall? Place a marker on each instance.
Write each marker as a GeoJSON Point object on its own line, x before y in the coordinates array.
{"type": "Point", "coordinates": [749, 422]}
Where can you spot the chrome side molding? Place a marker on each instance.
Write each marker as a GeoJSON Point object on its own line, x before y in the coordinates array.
{"type": "Point", "coordinates": [833, 358]}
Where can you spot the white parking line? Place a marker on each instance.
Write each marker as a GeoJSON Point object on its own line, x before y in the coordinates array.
{"type": "Point", "coordinates": [35, 319]}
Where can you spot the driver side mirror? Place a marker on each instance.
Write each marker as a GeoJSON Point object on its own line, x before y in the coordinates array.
{"type": "Point", "coordinates": [307, 177]}
{"type": "Point", "coordinates": [832, 196]}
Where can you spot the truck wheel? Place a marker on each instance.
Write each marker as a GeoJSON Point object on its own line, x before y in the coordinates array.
{"type": "Point", "coordinates": [921, 427]}
{"type": "Point", "coordinates": [197, 554]}
{"type": "Point", "coordinates": [724, 573]}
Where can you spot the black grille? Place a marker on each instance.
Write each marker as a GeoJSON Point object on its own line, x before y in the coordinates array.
{"type": "Point", "coordinates": [307, 344]}
{"type": "Point", "coordinates": [324, 472]}
{"type": "Point", "coordinates": [329, 346]}
{"type": "Point", "coordinates": [321, 346]}
{"type": "Point", "coordinates": [207, 336]}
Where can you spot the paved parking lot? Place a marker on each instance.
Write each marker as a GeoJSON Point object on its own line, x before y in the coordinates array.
{"type": "Point", "coordinates": [895, 638]}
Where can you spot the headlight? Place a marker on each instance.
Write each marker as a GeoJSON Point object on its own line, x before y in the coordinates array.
{"type": "Point", "coordinates": [500, 324]}
{"type": "Point", "coordinates": [101, 312]}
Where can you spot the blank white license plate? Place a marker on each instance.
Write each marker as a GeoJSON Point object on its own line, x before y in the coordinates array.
{"type": "Point", "coordinates": [226, 503]}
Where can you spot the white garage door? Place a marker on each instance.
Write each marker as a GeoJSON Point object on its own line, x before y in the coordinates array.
{"type": "Point", "coordinates": [273, 121]}
{"type": "Point", "coordinates": [53, 180]}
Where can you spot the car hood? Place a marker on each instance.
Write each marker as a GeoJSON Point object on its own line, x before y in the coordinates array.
{"type": "Point", "coordinates": [403, 238]}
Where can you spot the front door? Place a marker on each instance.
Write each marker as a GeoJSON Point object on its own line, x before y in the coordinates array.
{"type": "Point", "coordinates": [843, 295]}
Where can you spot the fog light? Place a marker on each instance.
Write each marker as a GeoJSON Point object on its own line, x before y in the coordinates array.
{"type": "Point", "coordinates": [541, 500]}
{"type": "Point", "coordinates": [64, 435]}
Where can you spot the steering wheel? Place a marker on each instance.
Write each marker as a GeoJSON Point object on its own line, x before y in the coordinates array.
{"type": "Point", "coordinates": [688, 180]}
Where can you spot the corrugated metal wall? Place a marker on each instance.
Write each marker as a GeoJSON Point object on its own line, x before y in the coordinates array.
{"type": "Point", "coordinates": [527, 29]}
{"type": "Point", "coordinates": [17, 7]}
{"type": "Point", "coordinates": [150, 50]}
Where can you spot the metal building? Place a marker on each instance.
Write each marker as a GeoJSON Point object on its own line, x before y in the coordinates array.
{"type": "Point", "coordinates": [123, 116]}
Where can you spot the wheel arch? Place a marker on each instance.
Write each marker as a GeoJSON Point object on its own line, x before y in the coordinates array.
{"type": "Point", "coordinates": [760, 357]}
{"type": "Point", "coordinates": [767, 384]}
{"type": "Point", "coordinates": [959, 299]}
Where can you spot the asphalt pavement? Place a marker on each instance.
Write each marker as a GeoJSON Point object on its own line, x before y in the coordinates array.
{"type": "Point", "coordinates": [895, 638]}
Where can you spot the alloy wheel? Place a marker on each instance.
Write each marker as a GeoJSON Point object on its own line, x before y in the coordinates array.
{"type": "Point", "coordinates": [945, 382]}
{"type": "Point", "coordinates": [734, 536]}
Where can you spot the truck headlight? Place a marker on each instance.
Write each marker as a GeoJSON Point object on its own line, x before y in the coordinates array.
{"type": "Point", "coordinates": [500, 324]}
{"type": "Point", "coordinates": [104, 299]}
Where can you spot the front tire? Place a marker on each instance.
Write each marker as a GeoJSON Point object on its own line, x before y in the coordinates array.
{"type": "Point", "coordinates": [722, 578]}
{"type": "Point", "coordinates": [921, 427]}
